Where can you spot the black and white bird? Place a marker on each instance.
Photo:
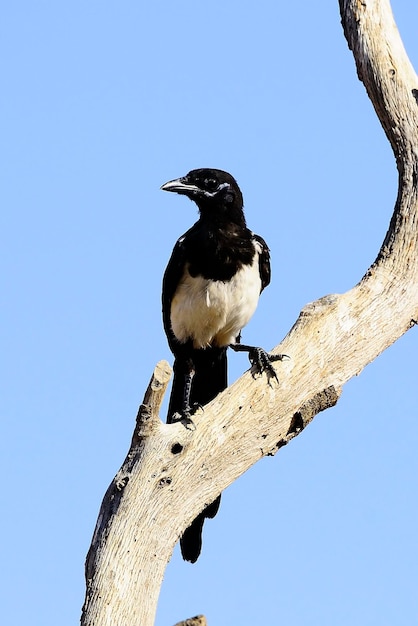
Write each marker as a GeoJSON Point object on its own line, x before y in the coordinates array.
{"type": "Point", "coordinates": [211, 287]}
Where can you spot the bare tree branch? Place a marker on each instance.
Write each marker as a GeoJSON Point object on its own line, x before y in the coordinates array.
{"type": "Point", "coordinates": [171, 473]}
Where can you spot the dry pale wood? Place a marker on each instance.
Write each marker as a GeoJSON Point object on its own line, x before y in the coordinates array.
{"type": "Point", "coordinates": [170, 472]}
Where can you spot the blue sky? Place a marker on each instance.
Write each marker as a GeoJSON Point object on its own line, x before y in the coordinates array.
{"type": "Point", "coordinates": [102, 103]}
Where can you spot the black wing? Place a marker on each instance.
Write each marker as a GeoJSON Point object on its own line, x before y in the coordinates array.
{"type": "Point", "coordinates": [264, 261]}
{"type": "Point", "coordinates": [172, 276]}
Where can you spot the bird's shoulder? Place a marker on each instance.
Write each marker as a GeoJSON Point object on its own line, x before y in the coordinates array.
{"type": "Point", "coordinates": [175, 267]}
{"type": "Point", "coordinates": [263, 260]}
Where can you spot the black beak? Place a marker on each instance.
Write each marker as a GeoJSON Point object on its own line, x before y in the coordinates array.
{"type": "Point", "coordinates": [180, 185]}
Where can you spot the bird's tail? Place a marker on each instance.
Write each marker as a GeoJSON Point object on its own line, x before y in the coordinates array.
{"type": "Point", "coordinates": [210, 378]}
{"type": "Point", "coordinates": [191, 540]}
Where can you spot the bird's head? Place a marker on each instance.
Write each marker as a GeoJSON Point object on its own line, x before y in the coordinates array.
{"type": "Point", "coordinates": [215, 192]}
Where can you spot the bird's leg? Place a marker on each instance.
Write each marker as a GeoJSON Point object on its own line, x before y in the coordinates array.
{"type": "Point", "coordinates": [188, 380]}
{"type": "Point", "coordinates": [261, 361]}
{"type": "Point", "coordinates": [185, 416]}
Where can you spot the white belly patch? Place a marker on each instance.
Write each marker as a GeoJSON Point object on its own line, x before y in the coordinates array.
{"type": "Point", "coordinates": [212, 312]}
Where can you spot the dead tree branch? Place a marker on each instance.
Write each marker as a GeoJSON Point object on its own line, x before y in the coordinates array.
{"type": "Point", "coordinates": [170, 473]}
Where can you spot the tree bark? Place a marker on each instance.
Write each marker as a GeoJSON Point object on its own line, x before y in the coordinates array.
{"type": "Point", "coordinates": [170, 472]}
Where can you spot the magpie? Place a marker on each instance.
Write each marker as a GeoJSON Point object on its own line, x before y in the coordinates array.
{"type": "Point", "coordinates": [211, 287]}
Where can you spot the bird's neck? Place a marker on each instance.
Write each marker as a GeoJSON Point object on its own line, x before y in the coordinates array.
{"type": "Point", "coordinates": [224, 219]}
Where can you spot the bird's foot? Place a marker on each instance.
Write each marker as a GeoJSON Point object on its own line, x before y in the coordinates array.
{"type": "Point", "coordinates": [261, 361]}
{"type": "Point", "coordinates": [185, 417]}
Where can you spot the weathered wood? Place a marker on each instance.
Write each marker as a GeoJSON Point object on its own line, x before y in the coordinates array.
{"type": "Point", "coordinates": [171, 473]}
{"type": "Point", "coordinates": [117, 564]}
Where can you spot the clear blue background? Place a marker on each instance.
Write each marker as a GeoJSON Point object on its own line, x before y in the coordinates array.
{"type": "Point", "coordinates": [102, 102]}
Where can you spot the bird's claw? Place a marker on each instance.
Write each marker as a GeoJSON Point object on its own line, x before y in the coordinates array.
{"type": "Point", "coordinates": [261, 361]}
{"type": "Point", "coordinates": [185, 417]}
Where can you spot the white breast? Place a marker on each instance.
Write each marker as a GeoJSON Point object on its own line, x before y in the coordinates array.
{"type": "Point", "coordinates": [213, 312]}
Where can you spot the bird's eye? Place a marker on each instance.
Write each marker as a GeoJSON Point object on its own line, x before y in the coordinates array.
{"type": "Point", "coordinates": [211, 184]}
